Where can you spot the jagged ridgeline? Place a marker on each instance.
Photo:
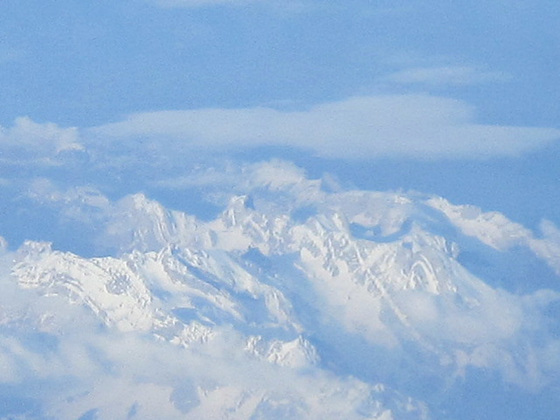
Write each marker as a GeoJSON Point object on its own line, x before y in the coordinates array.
{"type": "Point", "coordinates": [294, 302]}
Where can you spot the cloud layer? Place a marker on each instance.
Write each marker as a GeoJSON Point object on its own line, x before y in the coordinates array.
{"type": "Point", "coordinates": [410, 126]}
{"type": "Point", "coordinates": [445, 76]}
{"type": "Point", "coordinates": [420, 126]}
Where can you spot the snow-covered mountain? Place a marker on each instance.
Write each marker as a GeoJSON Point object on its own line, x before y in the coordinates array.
{"type": "Point", "coordinates": [296, 301]}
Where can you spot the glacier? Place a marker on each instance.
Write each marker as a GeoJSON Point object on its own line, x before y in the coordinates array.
{"type": "Point", "coordinates": [297, 300]}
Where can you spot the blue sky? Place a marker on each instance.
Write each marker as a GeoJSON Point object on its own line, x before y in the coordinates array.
{"type": "Point", "coordinates": [452, 98]}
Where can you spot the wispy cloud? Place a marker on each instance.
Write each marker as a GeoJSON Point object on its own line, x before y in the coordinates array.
{"type": "Point", "coordinates": [413, 126]}
{"type": "Point", "coordinates": [446, 76]}
{"type": "Point", "coordinates": [29, 141]}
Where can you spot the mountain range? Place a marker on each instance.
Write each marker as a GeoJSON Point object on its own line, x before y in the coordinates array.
{"type": "Point", "coordinates": [297, 299]}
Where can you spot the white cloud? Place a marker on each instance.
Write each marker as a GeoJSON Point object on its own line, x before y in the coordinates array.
{"type": "Point", "coordinates": [445, 76]}
{"type": "Point", "coordinates": [413, 126]}
{"type": "Point", "coordinates": [274, 174]}
{"type": "Point", "coordinates": [28, 140]}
